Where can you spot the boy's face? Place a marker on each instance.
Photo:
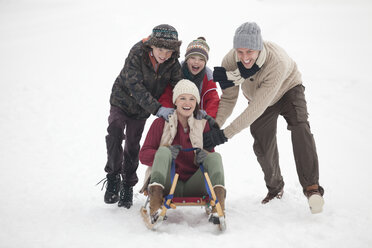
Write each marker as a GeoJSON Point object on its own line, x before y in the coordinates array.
{"type": "Point", "coordinates": [195, 64]}
{"type": "Point", "coordinates": [161, 54]}
{"type": "Point", "coordinates": [247, 56]}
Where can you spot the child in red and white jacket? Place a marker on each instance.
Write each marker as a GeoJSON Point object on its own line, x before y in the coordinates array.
{"type": "Point", "coordinates": [194, 69]}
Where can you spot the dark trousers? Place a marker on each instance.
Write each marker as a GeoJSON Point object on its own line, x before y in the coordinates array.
{"type": "Point", "coordinates": [292, 106]}
{"type": "Point", "coordinates": [124, 161]}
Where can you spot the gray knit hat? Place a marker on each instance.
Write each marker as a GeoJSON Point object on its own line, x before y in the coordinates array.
{"type": "Point", "coordinates": [248, 35]}
{"type": "Point", "coordinates": [185, 86]}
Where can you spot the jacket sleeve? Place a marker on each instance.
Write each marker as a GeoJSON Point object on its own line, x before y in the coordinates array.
{"type": "Point", "coordinates": [166, 98]}
{"type": "Point", "coordinates": [230, 95]}
{"type": "Point", "coordinates": [210, 98]}
{"type": "Point", "coordinates": [263, 97]}
{"type": "Point", "coordinates": [133, 80]}
{"type": "Point", "coordinates": [152, 142]}
{"type": "Point", "coordinates": [176, 73]}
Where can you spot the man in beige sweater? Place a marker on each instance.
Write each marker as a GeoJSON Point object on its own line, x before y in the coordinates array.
{"type": "Point", "coordinates": [271, 82]}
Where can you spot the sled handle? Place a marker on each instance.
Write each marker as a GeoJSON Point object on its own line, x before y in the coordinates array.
{"type": "Point", "coordinates": [171, 192]}
{"type": "Point", "coordinates": [218, 205]}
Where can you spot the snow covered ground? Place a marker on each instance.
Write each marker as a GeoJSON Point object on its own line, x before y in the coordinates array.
{"type": "Point", "coordinates": [58, 61]}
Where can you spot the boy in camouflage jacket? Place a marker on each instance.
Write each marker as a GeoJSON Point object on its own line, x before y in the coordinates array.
{"type": "Point", "coordinates": [151, 64]}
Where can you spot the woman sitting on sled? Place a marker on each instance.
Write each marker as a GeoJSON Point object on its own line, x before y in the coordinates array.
{"type": "Point", "coordinates": [165, 141]}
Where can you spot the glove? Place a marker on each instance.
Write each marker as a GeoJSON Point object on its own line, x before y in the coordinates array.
{"type": "Point", "coordinates": [175, 149]}
{"type": "Point", "coordinates": [201, 114]}
{"type": "Point", "coordinates": [220, 76]}
{"type": "Point", "coordinates": [200, 155]}
{"type": "Point", "coordinates": [226, 84]}
{"type": "Point", "coordinates": [213, 138]}
{"type": "Point", "coordinates": [164, 113]}
{"type": "Point", "coordinates": [212, 122]}
{"type": "Point", "coordinates": [235, 77]}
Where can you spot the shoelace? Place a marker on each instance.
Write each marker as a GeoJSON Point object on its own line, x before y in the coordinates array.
{"type": "Point", "coordinates": [126, 193]}
{"type": "Point", "coordinates": [104, 180]}
{"type": "Point", "coordinates": [107, 184]}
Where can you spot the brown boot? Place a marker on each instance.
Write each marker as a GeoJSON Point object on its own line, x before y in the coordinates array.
{"type": "Point", "coordinates": [220, 192]}
{"type": "Point", "coordinates": [314, 194]}
{"type": "Point", "coordinates": [272, 195]}
{"type": "Point", "coordinates": [156, 198]}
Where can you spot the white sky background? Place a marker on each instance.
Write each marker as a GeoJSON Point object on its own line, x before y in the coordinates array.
{"type": "Point", "coordinates": [58, 61]}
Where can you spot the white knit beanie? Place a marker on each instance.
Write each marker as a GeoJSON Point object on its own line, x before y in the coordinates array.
{"type": "Point", "coordinates": [185, 86]}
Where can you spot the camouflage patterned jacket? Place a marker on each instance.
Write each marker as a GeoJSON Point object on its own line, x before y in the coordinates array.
{"type": "Point", "coordinates": [138, 87]}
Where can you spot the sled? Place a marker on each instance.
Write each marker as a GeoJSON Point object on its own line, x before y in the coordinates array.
{"type": "Point", "coordinates": [173, 202]}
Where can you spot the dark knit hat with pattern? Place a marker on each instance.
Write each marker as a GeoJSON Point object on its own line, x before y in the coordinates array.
{"type": "Point", "coordinates": [165, 36]}
{"type": "Point", "coordinates": [198, 47]}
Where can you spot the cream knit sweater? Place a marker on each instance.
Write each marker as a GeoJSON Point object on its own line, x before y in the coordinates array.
{"type": "Point", "coordinates": [277, 75]}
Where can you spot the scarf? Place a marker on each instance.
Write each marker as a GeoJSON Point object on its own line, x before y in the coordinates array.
{"type": "Point", "coordinates": [196, 79]}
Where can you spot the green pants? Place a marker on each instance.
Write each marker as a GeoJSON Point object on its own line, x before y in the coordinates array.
{"type": "Point", "coordinates": [195, 185]}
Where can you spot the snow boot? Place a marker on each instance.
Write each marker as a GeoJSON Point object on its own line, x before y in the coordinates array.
{"type": "Point", "coordinates": [126, 196]}
{"type": "Point", "coordinates": [272, 195]}
{"type": "Point", "coordinates": [156, 198]}
{"type": "Point", "coordinates": [215, 217]}
{"type": "Point", "coordinates": [112, 188]}
{"type": "Point", "coordinates": [314, 194]}
{"type": "Point", "coordinates": [220, 192]}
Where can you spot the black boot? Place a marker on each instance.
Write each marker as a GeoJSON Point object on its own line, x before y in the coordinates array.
{"type": "Point", "coordinates": [112, 188]}
{"type": "Point", "coordinates": [126, 196]}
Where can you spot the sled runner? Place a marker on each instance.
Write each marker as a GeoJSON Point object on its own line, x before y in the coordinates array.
{"type": "Point", "coordinates": [209, 202]}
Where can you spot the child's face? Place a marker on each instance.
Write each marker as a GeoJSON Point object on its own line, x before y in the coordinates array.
{"type": "Point", "coordinates": [195, 64]}
{"type": "Point", "coordinates": [161, 54]}
{"type": "Point", "coordinates": [186, 104]}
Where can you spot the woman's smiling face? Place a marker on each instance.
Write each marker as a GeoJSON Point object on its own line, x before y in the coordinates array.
{"type": "Point", "coordinates": [186, 104]}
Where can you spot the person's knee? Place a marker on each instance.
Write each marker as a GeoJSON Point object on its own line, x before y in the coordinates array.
{"type": "Point", "coordinates": [115, 130]}
{"type": "Point", "coordinates": [157, 177]}
{"type": "Point", "coordinates": [164, 151]}
{"type": "Point", "coordinates": [213, 162]}
{"type": "Point", "coordinates": [257, 148]}
{"type": "Point", "coordinates": [299, 127]}
{"type": "Point", "coordinates": [213, 157]}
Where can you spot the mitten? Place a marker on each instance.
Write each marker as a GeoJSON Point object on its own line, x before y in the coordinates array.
{"type": "Point", "coordinates": [201, 114]}
{"type": "Point", "coordinates": [226, 84]}
{"type": "Point", "coordinates": [219, 74]}
{"type": "Point", "coordinates": [164, 112]}
{"type": "Point", "coordinates": [175, 149]}
{"type": "Point", "coordinates": [235, 77]}
{"type": "Point", "coordinates": [213, 138]}
{"type": "Point", "coordinates": [200, 155]}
